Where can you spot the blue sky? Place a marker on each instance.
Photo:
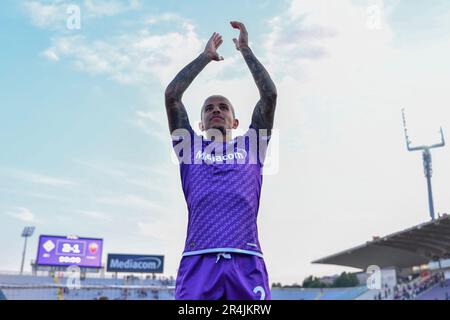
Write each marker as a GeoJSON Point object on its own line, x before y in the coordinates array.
{"type": "Point", "coordinates": [85, 145]}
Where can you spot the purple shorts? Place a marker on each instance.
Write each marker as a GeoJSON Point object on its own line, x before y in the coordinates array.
{"type": "Point", "coordinates": [222, 276]}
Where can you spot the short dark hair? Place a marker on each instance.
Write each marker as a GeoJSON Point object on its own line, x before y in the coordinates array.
{"type": "Point", "coordinates": [217, 96]}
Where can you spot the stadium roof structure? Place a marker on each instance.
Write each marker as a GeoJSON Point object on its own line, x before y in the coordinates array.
{"type": "Point", "coordinates": [415, 246]}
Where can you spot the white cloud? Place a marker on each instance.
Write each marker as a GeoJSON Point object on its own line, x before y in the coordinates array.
{"type": "Point", "coordinates": [156, 117]}
{"type": "Point", "coordinates": [311, 30]}
{"type": "Point", "coordinates": [98, 8]}
{"type": "Point", "coordinates": [102, 168]}
{"type": "Point", "coordinates": [130, 59]}
{"type": "Point", "coordinates": [153, 123]}
{"type": "Point", "coordinates": [47, 180]}
{"type": "Point", "coordinates": [140, 57]}
{"type": "Point", "coordinates": [38, 178]}
{"type": "Point", "coordinates": [46, 14]}
{"type": "Point", "coordinates": [22, 214]}
{"type": "Point", "coordinates": [164, 17]}
{"type": "Point", "coordinates": [96, 215]}
{"type": "Point", "coordinates": [163, 230]}
{"type": "Point", "coordinates": [133, 202]}
{"type": "Point", "coordinates": [146, 178]}
{"type": "Point", "coordinates": [50, 55]}
{"type": "Point", "coordinates": [53, 15]}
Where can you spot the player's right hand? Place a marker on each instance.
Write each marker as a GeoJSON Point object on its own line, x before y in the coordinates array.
{"type": "Point", "coordinates": [211, 47]}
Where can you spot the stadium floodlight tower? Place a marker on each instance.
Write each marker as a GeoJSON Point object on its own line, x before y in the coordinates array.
{"type": "Point", "coordinates": [426, 155]}
{"type": "Point", "coordinates": [26, 233]}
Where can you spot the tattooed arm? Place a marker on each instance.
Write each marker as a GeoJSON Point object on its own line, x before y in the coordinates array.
{"type": "Point", "coordinates": [264, 112]}
{"type": "Point", "coordinates": [176, 112]}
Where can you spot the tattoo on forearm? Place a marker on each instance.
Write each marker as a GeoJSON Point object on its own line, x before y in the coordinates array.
{"type": "Point", "coordinates": [185, 77]}
{"type": "Point", "coordinates": [264, 112]}
{"type": "Point", "coordinates": [260, 74]}
{"type": "Point", "coordinates": [176, 112]}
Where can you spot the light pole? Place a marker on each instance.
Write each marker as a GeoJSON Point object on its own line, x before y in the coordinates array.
{"type": "Point", "coordinates": [26, 233]}
{"type": "Point", "coordinates": [426, 156]}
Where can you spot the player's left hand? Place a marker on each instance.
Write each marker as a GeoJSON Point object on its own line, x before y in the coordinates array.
{"type": "Point", "coordinates": [243, 35]}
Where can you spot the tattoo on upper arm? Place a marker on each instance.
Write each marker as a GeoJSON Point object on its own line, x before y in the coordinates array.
{"type": "Point", "coordinates": [263, 116]}
{"type": "Point", "coordinates": [177, 116]}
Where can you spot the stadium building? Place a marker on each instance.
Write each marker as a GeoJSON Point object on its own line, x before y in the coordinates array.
{"type": "Point", "coordinates": [411, 264]}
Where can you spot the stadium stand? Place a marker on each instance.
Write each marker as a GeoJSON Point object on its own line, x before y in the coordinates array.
{"type": "Point", "coordinates": [439, 291]}
{"type": "Point", "coordinates": [28, 287]}
{"type": "Point", "coordinates": [343, 293]}
{"type": "Point", "coordinates": [294, 294]}
{"type": "Point", "coordinates": [317, 294]}
{"type": "Point", "coordinates": [17, 287]}
{"type": "Point", "coordinates": [432, 287]}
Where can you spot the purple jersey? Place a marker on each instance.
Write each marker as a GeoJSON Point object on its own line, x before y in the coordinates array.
{"type": "Point", "coordinates": [222, 187]}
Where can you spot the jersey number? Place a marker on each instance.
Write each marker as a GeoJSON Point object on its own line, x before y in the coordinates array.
{"type": "Point", "coordinates": [260, 289]}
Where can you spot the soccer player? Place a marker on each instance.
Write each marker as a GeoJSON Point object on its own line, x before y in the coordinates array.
{"type": "Point", "coordinates": [222, 259]}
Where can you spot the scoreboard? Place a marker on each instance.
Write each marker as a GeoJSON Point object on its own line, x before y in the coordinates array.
{"type": "Point", "coordinates": [69, 251]}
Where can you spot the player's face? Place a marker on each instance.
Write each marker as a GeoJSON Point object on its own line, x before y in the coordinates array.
{"type": "Point", "coordinates": [217, 113]}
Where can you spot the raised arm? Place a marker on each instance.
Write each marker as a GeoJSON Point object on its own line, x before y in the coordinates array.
{"type": "Point", "coordinates": [264, 112]}
{"type": "Point", "coordinates": [176, 112]}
